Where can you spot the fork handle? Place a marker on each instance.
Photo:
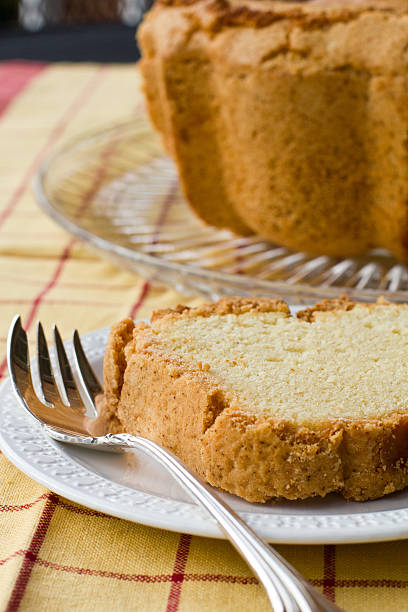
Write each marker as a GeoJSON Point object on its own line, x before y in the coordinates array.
{"type": "Point", "coordinates": [287, 590]}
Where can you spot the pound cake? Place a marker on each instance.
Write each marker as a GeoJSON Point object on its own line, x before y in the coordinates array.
{"type": "Point", "coordinates": [264, 404]}
{"type": "Point", "coordinates": [287, 119]}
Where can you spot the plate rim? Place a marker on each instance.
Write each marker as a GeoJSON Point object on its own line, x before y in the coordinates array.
{"type": "Point", "coordinates": [186, 517]}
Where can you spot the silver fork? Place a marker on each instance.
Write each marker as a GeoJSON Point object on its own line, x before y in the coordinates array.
{"type": "Point", "coordinates": [62, 415]}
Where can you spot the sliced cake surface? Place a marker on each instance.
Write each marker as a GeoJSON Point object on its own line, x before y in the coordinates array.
{"type": "Point", "coordinates": [348, 365]}
{"type": "Point", "coordinates": [265, 404]}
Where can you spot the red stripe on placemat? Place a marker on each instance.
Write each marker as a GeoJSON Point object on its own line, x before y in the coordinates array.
{"type": "Point", "coordinates": [375, 583]}
{"type": "Point", "coordinates": [223, 578]}
{"type": "Point", "coordinates": [14, 78]}
{"type": "Point", "coordinates": [55, 134]}
{"type": "Point", "coordinates": [18, 507]}
{"type": "Point", "coordinates": [84, 511]}
{"type": "Point", "coordinates": [16, 196]}
{"type": "Point", "coordinates": [38, 299]}
{"type": "Point", "coordinates": [168, 200]}
{"type": "Point", "coordinates": [99, 175]}
{"type": "Point", "coordinates": [329, 571]}
{"type": "Point", "coordinates": [31, 555]}
{"type": "Point", "coordinates": [51, 283]}
{"type": "Point", "coordinates": [147, 578]}
{"type": "Point", "coordinates": [17, 553]}
{"type": "Point", "coordinates": [178, 572]}
{"type": "Point", "coordinates": [139, 302]}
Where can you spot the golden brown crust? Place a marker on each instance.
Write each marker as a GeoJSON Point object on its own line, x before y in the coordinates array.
{"type": "Point", "coordinates": [169, 402]}
{"type": "Point", "coordinates": [255, 456]}
{"type": "Point", "coordinates": [340, 304]}
{"type": "Point", "coordinates": [337, 304]}
{"type": "Point", "coordinates": [224, 306]}
{"type": "Point", "coordinates": [113, 372]}
{"type": "Point", "coordinates": [307, 15]}
{"type": "Point", "coordinates": [259, 458]}
{"type": "Point", "coordinates": [374, 456]}
{"type": "Point", "coordinates": [281, 116]}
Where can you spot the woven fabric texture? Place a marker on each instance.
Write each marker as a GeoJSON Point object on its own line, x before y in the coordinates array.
{"type": "Point", "coordinates": [54, 554]}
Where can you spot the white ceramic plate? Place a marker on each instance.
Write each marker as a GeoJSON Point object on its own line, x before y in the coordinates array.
{"type": "Point", "coordinates": [133, 487]}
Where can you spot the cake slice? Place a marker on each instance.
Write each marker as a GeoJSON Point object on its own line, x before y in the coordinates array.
{"type": "Point", "coordinates": [264, 404]}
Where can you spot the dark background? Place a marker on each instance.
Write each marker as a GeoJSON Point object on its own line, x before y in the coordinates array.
{"type": "Point", "coordinates": [84, 30]}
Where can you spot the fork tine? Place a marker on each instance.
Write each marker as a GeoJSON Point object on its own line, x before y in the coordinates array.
{"type": "Point", "coordinates": [19, 365]}
{"type": "Point", "coordinates": [17, 351]}
{"type": "Point", "coordinates": [89, 381]}
{"type": "Point", "coordinates": [47, 381]}
{"type": "Point", "coordinates": [68, 380]}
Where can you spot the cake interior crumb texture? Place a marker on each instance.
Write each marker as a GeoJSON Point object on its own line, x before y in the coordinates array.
{"type": "Point", "coordinates": [347, 365]}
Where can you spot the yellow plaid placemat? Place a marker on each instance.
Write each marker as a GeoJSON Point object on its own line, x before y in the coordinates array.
{"type": "Point", "coordinates": [54, 554]}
